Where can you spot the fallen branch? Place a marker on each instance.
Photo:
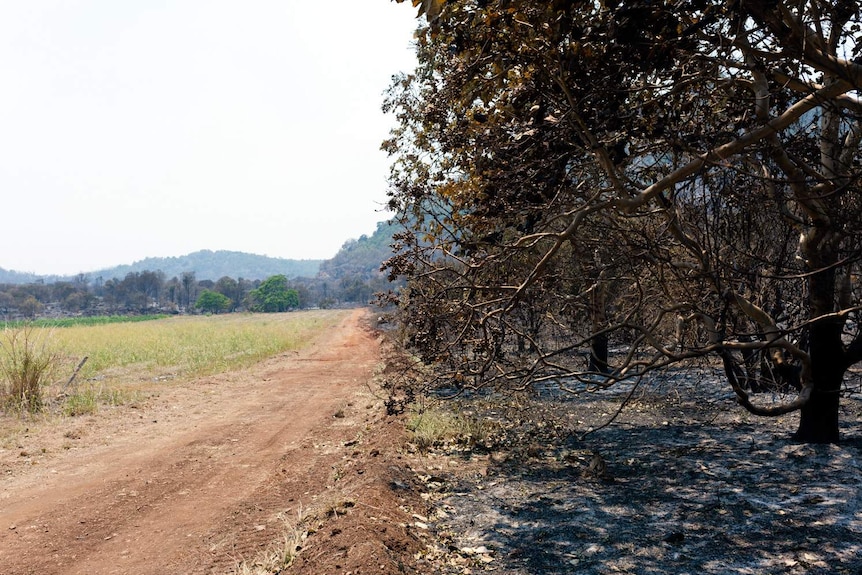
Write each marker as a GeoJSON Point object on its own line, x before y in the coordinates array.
{"type": "Point", "coordinates": [75, 373]}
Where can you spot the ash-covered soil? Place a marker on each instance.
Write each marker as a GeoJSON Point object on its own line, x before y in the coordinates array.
{"type": "Point", "coordinates": [684, 481]}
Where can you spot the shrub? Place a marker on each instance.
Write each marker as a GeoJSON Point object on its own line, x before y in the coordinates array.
{"type": "Point", "coordinates": [26, 365]}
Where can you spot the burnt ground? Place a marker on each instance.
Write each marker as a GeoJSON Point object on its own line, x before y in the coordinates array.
{"type": "Point", "coordinates": [684, 481]}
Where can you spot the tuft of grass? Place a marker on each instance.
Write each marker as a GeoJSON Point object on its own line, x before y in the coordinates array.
{"type": "Point", "coordinates": [86, 401]}
{"type": "Point", "coordinates": [436, 426]}
{"type": "Point", "coordinates": [280, 555]}
{"type": "Point", "coordinates": [81, 403]}
{"type": "Point", "coordinates": [334, 507]}
{"type": "Point", "coordinates": [27, 364]}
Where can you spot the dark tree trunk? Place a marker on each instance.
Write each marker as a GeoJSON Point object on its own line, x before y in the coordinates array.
{"type": "Point", "coordinates": [750, 377]}
{"type": "Point", "coordinates": [598, 362]}
{"type": "Point", "coordinates": [599, 354]}
{"type": "Point", "coordinates": [818, 422]}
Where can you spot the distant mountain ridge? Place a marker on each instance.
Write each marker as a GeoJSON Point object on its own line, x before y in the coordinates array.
{"type": "Point", "coordinates": [13, 277]}
{"type": "Point", "coordinates": [212, 265]}
{"type": "Point", "coordinates": [206, 265]}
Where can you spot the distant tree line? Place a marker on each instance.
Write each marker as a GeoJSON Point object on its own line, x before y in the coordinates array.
{"type": "Point", "coordinates": [152, 292]}
{"type": "Point", "coordinates": [352, 277]}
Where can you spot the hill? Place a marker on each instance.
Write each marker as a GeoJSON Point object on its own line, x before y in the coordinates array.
{"type": "Point", "coordinates": [357, 259]}
{"type": "Point", "coordinates": [13, 277]}
{"type": "Point", "coordinates": [361, 258]}
{"type": "Point", "coordinates": [206, 265]}
{"type": "Point", "coordinates": [352, 276]}
{"type": "Point", "coordinates": [212, 265]}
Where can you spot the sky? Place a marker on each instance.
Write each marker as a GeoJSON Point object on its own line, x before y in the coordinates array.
{"type": "Point", "coordinates": [155, 128]}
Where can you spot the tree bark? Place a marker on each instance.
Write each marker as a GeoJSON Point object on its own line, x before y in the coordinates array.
{"type": "Point", "coordinates": [599, 341]}
{"type": "Point", "coordinates": [599, 354]}
{"type": "Point", "coordinates": [818, 422]}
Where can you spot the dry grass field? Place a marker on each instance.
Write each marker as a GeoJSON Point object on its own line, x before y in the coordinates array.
{"type": "Point", "coordinates": [125, 359]}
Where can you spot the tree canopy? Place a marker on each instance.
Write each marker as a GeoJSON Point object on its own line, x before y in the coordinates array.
{"type": "Point", "coordinates": [678, 180]}
{"type": "Point", "coordinates": [274, 295]}
{"type": "Point", "coordinates": [212, 302]}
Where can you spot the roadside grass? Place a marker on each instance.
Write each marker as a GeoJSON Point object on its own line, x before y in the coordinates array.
{"type": "Point", "coordinates": [438, 425]}
{"type": "Point", "coordinates": [27, 364]}
{"type": "Point", "coordinates": [280, 555]}
{"type": "Point", "coordinates": [126, 358]}
{"type": "Point", "coordinates": [86, 400]}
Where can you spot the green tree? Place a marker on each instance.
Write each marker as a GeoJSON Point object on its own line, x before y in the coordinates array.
{"type": "Point", "coordinates": [274, 295]}
{"type": "Point", "coordinates": [682, 178]}
{"type": "Point", "coordinates": [212, 302]}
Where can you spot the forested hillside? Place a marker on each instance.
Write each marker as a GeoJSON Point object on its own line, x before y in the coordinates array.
{"type": "Point", "coordinates": [13, 277]}
{"type": "Point", "coordinates": [205, 264]}
{"type": "Point", "coordinates": [211, 265]}
{"type": "Point", "coordinates": [362, 257]}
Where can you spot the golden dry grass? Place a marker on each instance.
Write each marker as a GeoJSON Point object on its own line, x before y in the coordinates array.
{"type": "Point", "coordinates": [187, 346]}
{"type": "Point", "coordinates": [128, 362]}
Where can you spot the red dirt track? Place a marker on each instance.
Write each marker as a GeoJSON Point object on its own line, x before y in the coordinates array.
{"type": "Point", "coordinates": [195, 479]}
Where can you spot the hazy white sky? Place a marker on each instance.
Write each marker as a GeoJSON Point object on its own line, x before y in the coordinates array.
{"type": "Point", "coordinates": [137, 128]}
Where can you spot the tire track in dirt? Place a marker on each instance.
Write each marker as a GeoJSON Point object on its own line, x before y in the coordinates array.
{"type": "Point", "coordinates": [199, 487]}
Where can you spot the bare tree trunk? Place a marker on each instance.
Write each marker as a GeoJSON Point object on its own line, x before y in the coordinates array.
{"type": "Point", "coordinates": [599, 354]}
{"type": "Point", "coordinates": [599, 341]}
{"type": "Point", "coordinates": [818, 422]}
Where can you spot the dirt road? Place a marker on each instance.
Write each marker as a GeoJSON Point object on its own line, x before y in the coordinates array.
{"type": "Point", "coordinates": [195, 479]}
